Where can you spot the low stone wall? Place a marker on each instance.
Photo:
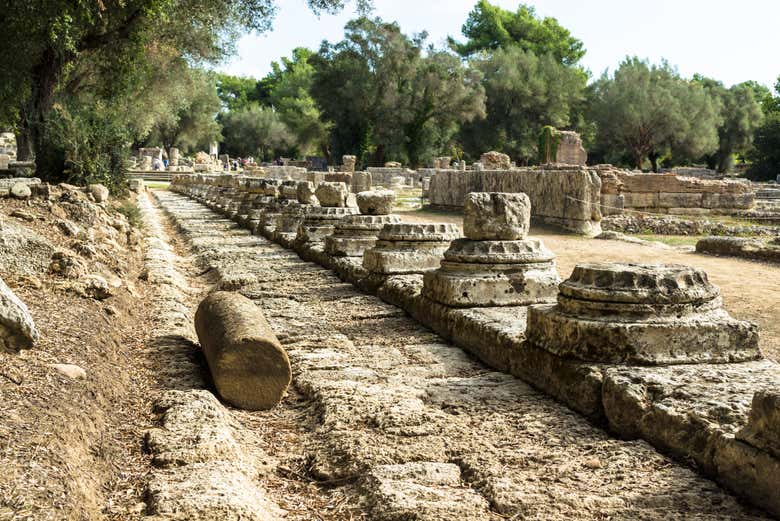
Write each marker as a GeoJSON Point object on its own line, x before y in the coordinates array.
{"type": "Point", "coordinates": [740, 247]}
{"type": "Point", "coordinates": [669, 193]}
{"type": "Point", "coordinates": [564, 196]}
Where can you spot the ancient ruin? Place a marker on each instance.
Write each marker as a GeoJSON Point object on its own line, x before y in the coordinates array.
{"type": "Point", "coordinates": [409, 248]}
{"type": "Point", "coordinates": [355, 234]}
{"type": "Point", "coordinates": [496, 264]}
{"type": "Point", "coordinates": [641, 314]}
{"type": "Point", "coordinates": [319, 222]}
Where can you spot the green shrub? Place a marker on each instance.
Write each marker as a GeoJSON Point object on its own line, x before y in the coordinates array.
{"type": "Point", "coordinates": [89, 145]}
{"type": "Point", "coordinates": [131, 211]}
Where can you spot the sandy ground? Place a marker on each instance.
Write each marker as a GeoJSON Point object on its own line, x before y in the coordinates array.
{"type": "Point", "coordinates": [751, 289]}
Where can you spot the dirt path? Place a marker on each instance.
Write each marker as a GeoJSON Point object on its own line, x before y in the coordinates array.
{"type": "Point", "coordinates": [420, 429]}
{"type": "Point", "coordinates": [751, 289]}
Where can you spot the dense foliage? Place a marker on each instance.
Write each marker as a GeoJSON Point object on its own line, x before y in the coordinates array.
{"type": "Point", "coordinates": [84, 81]}
{"type": "Point", "coordinates": [51, 49]}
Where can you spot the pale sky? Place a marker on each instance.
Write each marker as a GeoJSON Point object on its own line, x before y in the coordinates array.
{"type": "Point", "coordinates": [731, 41]}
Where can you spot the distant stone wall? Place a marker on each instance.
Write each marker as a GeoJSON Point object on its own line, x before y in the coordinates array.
{"type": "Point", "coordinates": [669, 193]}
{"type": "Point", "coordinates": [383, 176]}
{"type": "Point", "coordinates": [567, 197]}
{"type": "Point", "coordinates": [293, 173]}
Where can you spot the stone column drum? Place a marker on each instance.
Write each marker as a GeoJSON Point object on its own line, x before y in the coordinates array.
{"type": "Point", "coordinates": [248, 365]}
{"type": "Point", "coordinates": [496, 264]}
{"type": "Point", "coordinates": [320, 222]}
{"type": "Point", "coordinates": [641, 315]}
{"type": "Point", "coordinates": [409, 248]}
{"type": "Point", "coordinates": [355, 234]}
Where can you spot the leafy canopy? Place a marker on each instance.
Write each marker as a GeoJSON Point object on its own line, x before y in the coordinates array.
{"type": "Point", "coordinates": [647, 111]}
{"type": "Point", "coordinates": [490, 27]}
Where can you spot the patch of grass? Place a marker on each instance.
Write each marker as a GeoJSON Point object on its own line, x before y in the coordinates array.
{"type": "Point", "coordinates": [158, 185]}
{"type": "Point", "coordinates": [131, 211]}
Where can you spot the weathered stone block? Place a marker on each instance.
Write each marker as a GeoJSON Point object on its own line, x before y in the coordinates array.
{"type": "Point", "coordinates": [641, 314]}
{"type": "Point", "coordinates": [495, 161]}
{"type": "Point", "coordinates": [376, 202]}
{"type": "Point", "coordinates": [249, 367]}
{"type": "Point", "coordinates": [763, 428]}
{"type": "Point", "coordinates": [409, 248]}
{"type": "Point", "coordinates": [320, 222]}
{"type": "Point", "coordinates": [640, 200]}
{"type": "Point", "coordinates": [493, 273]}
{"type": "Point", "coordinates": [305, 192]}
{"type": "Point", "coordinates": [679, 200]}
{"type": "Point", "coordinates": [496, 216]}
{"type": "Point", "coordinates": [332, 195]}
{"type": "Point", "coordinates": [17, 329]}
{"type": "Point", "coordinates": [355, 234]}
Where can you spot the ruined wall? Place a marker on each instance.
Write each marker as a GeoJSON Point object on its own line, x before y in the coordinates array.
{"type": "Point", "coordinates": [669, 193]}
{"type": "Point", "coordinates": [568, 197]}
{"type": "Point", "coordinates": [383, 176]}
{"type": "Point", "coordinates": [570, 149]}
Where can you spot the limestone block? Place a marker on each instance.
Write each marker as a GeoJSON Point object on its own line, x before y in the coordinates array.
{"type": "Point", "coordinates": [409, 248]}
{"type": "Point", "coordinates": [17, 329]}
{"type": "Point", "coordinates": [640, 200]}
{"type": "Point", "coordinates": [305, 192]}
{"type": "Point", "coordinates": [376, 202]}
{"type": "Point", "coordinates": [679, 200]}
{"type": "Point", "coordinates": [361, 182]}
{"type": "Point", "coordinates": [355, 234]}
{"type": "Point", "coordinates": [436, 232]}
{"type": "Point", "coordinates": [612, 204]}
{"type": "Point", "coordinates": [320, 222]}
{"type": "Point", "coordinates": [641, 314]}
{"type": "Point", "coordinates": [494, 273]}
{"type": "Point", "coordinates": [570, 149]}
{"type": "Point", "coordinates": [288, 192]}
{"type": "Point", "coordinates": [99, 192]}
{"type": "Point", "coordinates": [394, 258]}
{"type": "Point", "coordinates": [496, 216]}
{"type": "Point", "coordinates": [348, 163]}
{"type": "Point", "coordinates": [728, 200]}
{"type": "Point", "coordinates": [332, 195]}
{"type": "Point", "coordinates": [248, 365]}
{"type": "Point", "coordinates": [763, 428]}
{"type": "Point", "coordinates": [291, 218]}
{"type": "Point", "coordinates": [4, 160]}
{"type": "Point", "coordinates": [21, 191]}
{"type": "Point", "coordinates": [495, 161]}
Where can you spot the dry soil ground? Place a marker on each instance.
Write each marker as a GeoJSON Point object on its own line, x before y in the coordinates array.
{"type": "Point", "coordinates": [751, 289]}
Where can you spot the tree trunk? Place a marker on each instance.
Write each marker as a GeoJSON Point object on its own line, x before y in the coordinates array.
{"type": "Point", "coordinates": [24, 150]}
{"type": "Point", "coordinates": [654, 160]}
{"type": "Point", "coordinates": [639, 158]}
{"type": "Point", "coordinates": [49, 162]}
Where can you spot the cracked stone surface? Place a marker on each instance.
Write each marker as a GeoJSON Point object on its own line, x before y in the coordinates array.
{"type": "Point", "coordinates": [421, 425]}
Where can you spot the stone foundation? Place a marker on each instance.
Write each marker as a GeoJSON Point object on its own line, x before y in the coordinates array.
{"type": "Point", "coordinates": [696, 412]}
